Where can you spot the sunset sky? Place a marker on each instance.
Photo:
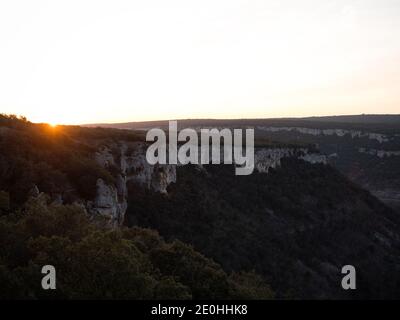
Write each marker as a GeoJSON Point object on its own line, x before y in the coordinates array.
{"type": "Point", "coordinates": [116, 61]}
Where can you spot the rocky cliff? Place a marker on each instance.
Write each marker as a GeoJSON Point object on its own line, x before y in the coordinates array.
{"type": "Point", "coordinates": [379, 153]}
{"type": "Point", "coordinates": [127, 161]}
{"type": "Point", "coordinates": [266, 158]}
{"type": "Point", "coordinates": [329, 132]}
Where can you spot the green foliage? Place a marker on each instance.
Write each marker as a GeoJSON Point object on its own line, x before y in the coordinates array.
{"type": "Point", "coordinates": [58, 160]}
{"type": "Point", "coordinates": [181, 261]}
{"type": "Point", "coordinates": [250, 284]}
{"type": "Point", "coordinates": [40, 219]}
{"type": "Point", "coordinates": [11, 285]}
{"type": "Point", "coordinates": [286, 225]}
{"type": "Point", "coordinates": [4, 201]}
{"type": "Point", "coordinates": [94, 262]}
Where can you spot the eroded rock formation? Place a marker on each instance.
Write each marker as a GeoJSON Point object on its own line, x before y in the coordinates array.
{"type": "Point", "coordinates": [129, 158]}
{"type": "Point", "coordinates": [329, 132]}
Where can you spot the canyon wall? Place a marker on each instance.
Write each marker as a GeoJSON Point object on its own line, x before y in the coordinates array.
{"type": "Point", "coordinates": [129, 160]}
{"type": "Point", "coordinates": [329, 132]}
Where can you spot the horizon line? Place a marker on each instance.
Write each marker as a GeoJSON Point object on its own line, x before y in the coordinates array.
{"type": "Point", "coordinates": [257, 118]}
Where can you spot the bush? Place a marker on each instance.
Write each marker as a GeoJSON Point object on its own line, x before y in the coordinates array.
{"type": "Point", "coordinates": [4, 201]}
{"type": "Point", "coordinates": [94, 262]}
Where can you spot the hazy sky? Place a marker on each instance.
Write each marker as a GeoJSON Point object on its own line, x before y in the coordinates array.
{"type": "Point", "coordinates": [111, 61]}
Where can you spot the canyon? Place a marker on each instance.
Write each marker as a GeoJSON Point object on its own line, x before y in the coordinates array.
{"type": "Point", "coordinates": [130, 160]}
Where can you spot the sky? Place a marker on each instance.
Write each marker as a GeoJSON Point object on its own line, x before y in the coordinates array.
{"type": "Point", "coordinates": [74, 62]}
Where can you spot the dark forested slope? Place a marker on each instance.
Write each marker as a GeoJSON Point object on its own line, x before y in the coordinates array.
{"type": "Point", "coordinates": [297, 226]}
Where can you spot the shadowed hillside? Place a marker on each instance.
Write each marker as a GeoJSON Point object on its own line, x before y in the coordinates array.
{"type": "Point", "coordinates": [86, 200]}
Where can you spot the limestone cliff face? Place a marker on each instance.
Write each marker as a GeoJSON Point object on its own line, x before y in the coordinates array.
{"type": "Point", "coordinates": [135, 167]}
{"type": "Point", "coordinates": [314, 158]}
{"type": "Point", "coordinates": [379, 153]}
{"type": "Point", "coordinates": [264, 159]}
{"type": "Point", "coordinates": [129, 158]}
{"type": "Point", "coordinates": [108, 203]}
{"type": "Point", "coordinates": [267, 158]}
{"type": "Point", "coordinates": [329, 132]}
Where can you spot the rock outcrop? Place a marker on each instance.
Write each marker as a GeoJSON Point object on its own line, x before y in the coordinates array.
{"type": "Point", "coordinates": [379, 153]}
{"type": "Point", "coordinates": [135, 167]}
{"type": "Point", "coordinates": [329, 132]}
{"type": "Point", "coordinates": [129, 158]}
{"type": "Point", "coordinates": [106, 201]}
{"type": "Point", "coordinates": [267, 158]}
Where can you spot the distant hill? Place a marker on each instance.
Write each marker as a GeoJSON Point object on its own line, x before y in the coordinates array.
{"type": "Point", "coordinates": [363, 118]}
{"type": "Point", "coordinates": [374, 122]}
